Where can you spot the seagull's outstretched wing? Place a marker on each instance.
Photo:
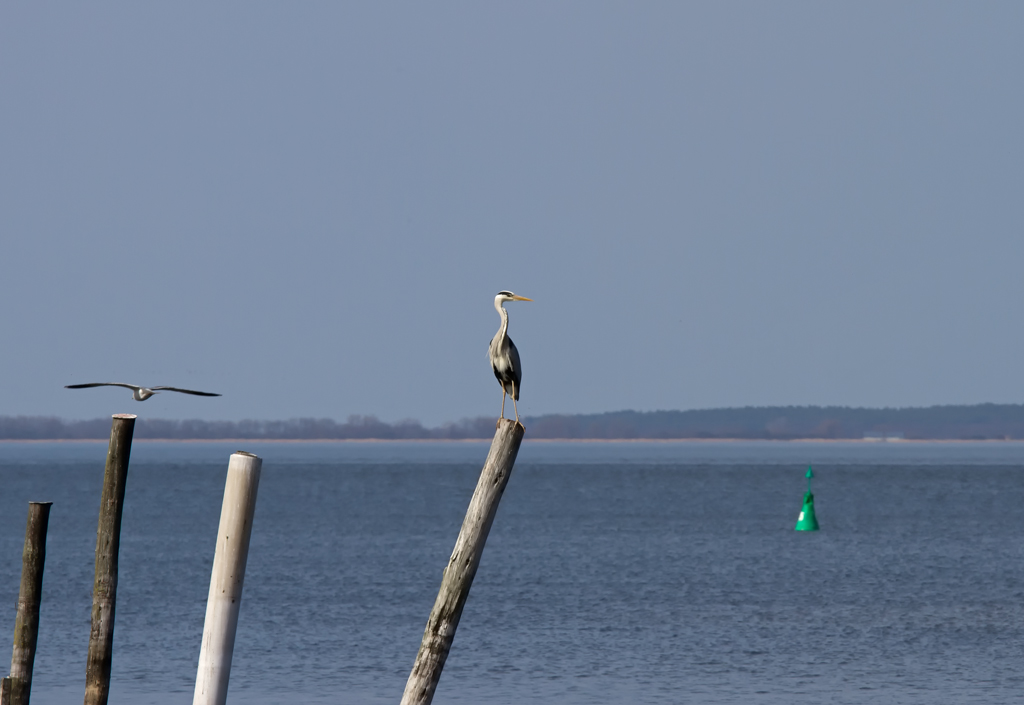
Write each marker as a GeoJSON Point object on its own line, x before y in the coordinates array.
{"type": "Point", "coordinates": [102, 384]}
{"type": "Point", "coordinates": [185, 391]}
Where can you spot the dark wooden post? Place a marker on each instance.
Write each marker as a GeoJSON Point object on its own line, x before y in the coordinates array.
{"type": "Point", "coordinates": [462, 566]}
{"type": "Point", "coordinates": [16, 688]}
{"type": "Point", "coordinates": [108, 541]}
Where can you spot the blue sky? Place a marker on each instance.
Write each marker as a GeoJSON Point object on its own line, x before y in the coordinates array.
{"type": "Point", "coordinates": [309, 207]}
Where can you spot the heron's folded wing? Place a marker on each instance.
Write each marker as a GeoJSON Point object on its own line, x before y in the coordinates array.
{"type": "Point", "coordinates": [517, 367]}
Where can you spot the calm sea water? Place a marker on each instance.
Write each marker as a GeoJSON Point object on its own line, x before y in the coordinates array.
{"type": "Point", "coordinates": [615, 572]}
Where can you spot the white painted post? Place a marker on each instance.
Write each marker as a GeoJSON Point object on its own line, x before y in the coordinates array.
{"type": "Point", "coordinates": [226, 581]}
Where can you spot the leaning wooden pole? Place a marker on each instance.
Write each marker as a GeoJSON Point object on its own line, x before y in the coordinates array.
{"type": "Point", "coordinates": [225, 596]}
{"type": "Point", "coordinates": [108, 542]}
{"type": "Point", "coordinates": [17, 687]}
{"type": "Point", "coordinates": [462, 566]}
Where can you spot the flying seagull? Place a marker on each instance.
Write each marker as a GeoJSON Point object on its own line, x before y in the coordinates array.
{"type": "Point", "coordinates": [141, 393]}
{"type": "Point", "coordinates": [504, 356]}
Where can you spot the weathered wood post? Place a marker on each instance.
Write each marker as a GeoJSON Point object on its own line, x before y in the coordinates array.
{"type": "Point", "coordinates": [17, 687]}
{"type": "Point", "coordinates": [225, 597]}
{"type": "Point", "coordinates": [108, 542]}
{"type": "Point", "coordinates": [458, 576]}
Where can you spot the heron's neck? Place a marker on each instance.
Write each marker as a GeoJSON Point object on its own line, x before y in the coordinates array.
{"type": "Point", "coordinates": [503, 331]}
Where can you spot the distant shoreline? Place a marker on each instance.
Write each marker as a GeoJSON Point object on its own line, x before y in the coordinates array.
{"type": "Point", "coordinates": [822, 441]}
{"type": "Point", "coordinates": [978, 422]}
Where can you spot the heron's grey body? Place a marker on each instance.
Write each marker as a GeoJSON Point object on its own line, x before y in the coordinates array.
{"type": "Point", "coordinates": [504, 355]}
{"type": "Point", "coordinates": [141, 393]}
{"type": "Point", "coordinates": [505, 361]}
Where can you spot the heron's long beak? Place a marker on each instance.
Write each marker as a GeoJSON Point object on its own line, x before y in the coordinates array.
{"type": "Point", "coordinates": [521, 298]}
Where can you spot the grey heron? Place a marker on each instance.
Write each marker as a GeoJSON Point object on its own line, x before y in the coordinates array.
{"type": "Point", "coordinates": [504, 356]}
{"type": "Point", "coordinates": [141, 393]}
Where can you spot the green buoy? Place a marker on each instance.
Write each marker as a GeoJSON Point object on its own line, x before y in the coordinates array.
{"type": "Point", "coordinates": [807, 521]}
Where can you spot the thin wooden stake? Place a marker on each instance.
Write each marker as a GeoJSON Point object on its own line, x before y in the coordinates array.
{"type": "Point", "coordinates": [18, 686]}
{"type": "Point", "coordinates": [108, 542]}
{"type": "Point", "coordinates": [462, 566]}
{"type": "Point", "coordinates": [225, 597]}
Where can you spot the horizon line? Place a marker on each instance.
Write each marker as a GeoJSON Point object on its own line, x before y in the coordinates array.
{"type": "Point", "coordinates": [536, 416]}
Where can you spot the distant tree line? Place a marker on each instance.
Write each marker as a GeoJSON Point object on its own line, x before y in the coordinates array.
{"type": "Point", "coordinates": [964, 422]}
{"type": "Point", "coordinates": [974, 422]}
{"type": "Point", "coordinates": [356, 427]}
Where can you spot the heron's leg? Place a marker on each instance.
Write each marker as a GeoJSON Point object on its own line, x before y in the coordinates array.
{"type": "Point", "coordinates": [503, 393]}
{"type": "Point", "coordinates": [514, 405]}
